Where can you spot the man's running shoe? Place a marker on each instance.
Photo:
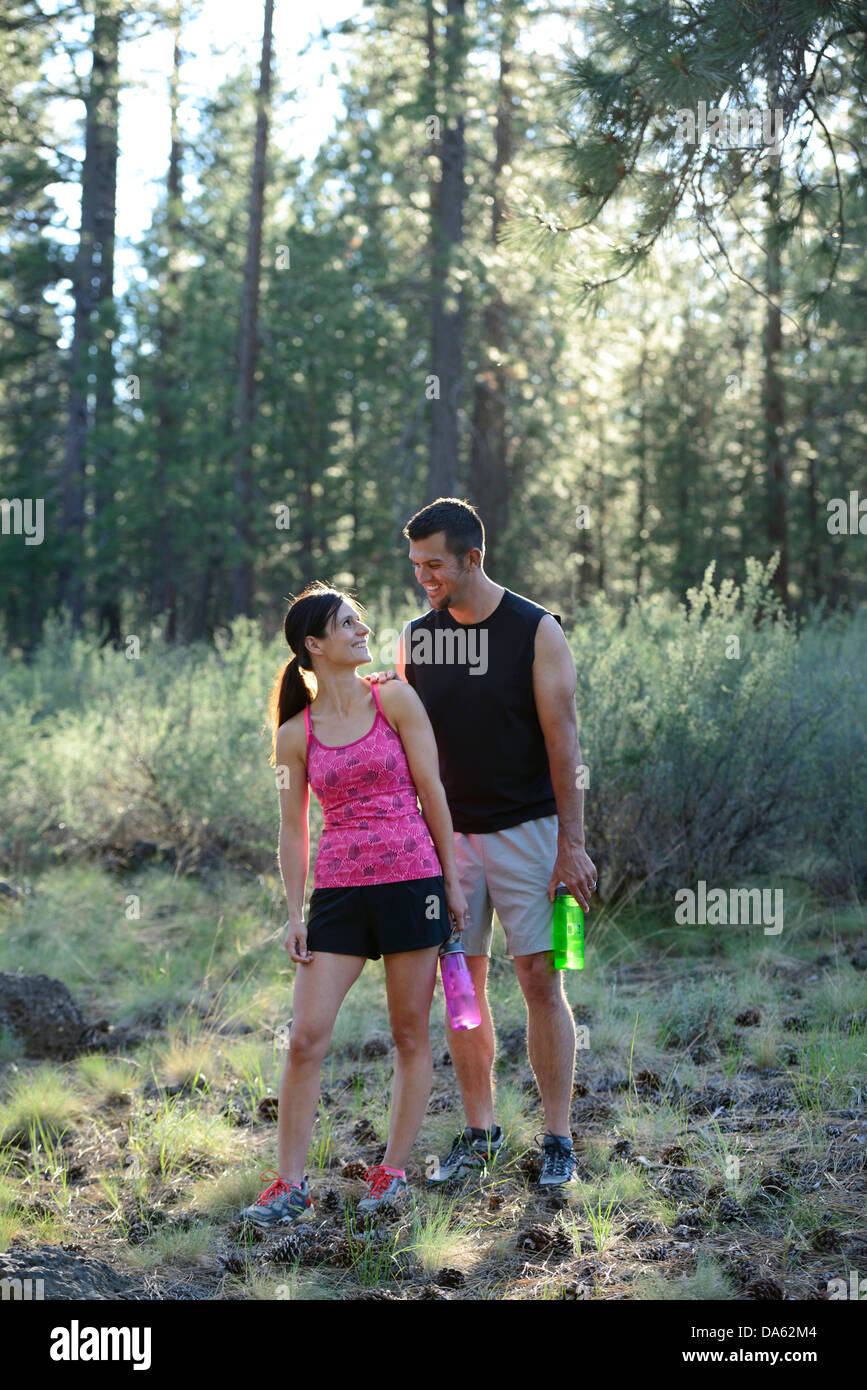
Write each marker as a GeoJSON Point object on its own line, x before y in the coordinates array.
{"type": "Point", "coordinates": [386, 1186]}
{"type": "Point", "coordinates": [469, 1154]}
{"type": "Point", "coordinates": [280, 1204]}
{"type": "Point", "coordinates": [558, 1161]}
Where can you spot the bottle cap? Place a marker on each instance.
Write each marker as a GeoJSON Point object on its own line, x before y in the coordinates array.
{"type": "Point", "coordinates": [453, 944]}
{"type": "Point", "coordinates": [561, 891]}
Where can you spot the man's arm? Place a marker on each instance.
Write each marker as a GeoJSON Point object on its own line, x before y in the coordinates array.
{"type": "Point", "coordinates": [380, 677]}
{"type": "Point", "coordinates": [400, 659]}
{"type": "Point", "coordinates": [554, 682]}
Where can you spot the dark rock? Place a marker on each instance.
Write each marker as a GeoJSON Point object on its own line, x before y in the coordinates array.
{"type": "Point", "coordinates": [42, 1013]}
{"type": "Point", "coordinates": [68, 1276]}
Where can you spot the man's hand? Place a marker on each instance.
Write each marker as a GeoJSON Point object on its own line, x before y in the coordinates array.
{"type": "Point", "coordinates": [576, 869]}
{"type": "Point", "coordinates": [377, 677]}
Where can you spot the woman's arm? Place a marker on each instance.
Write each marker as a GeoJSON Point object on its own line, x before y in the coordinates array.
{"type": "Point", "coordinates": [294, 842]}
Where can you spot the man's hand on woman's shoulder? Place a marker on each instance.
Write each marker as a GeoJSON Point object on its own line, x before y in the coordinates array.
{"type": "Point", "coordinates": [377, 677]}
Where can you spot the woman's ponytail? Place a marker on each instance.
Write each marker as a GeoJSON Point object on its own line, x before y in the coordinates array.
{"type": "Point", "coordinates": [289, 696]}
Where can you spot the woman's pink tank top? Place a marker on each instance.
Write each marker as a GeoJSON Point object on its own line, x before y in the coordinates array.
{"type": "Point", "coordinates": [374, 831]}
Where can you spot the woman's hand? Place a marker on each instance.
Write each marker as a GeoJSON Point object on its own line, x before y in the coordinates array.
{"type": "Point", "coordinates": [296, 941]}
{"type": "Point", "coordinates": [458, 908]}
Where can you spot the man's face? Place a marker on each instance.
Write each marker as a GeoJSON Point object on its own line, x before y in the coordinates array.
{"type": "Point", "coordinates": [443, 577]}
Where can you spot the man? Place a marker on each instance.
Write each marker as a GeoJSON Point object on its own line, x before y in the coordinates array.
{"type": "Point", "coordinates": [497, 678]}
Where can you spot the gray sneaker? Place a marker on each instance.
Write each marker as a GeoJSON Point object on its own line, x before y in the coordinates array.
{"type": "Point", "coordinates": [387, 1187]}
{"type": "Point", "coordinates": [558, 1162]}
{"type": "Point", "coordinates": [468, 1155]}
{"type": "Point", "coordinates": [281, 1204]}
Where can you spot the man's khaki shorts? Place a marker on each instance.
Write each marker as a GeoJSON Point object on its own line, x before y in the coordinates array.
{"type": "Point", "coordinates": [508, 871]}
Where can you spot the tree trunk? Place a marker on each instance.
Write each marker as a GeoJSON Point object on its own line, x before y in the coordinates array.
{"type": "Point", "coordinates": [774, 399]}
{"type": "Point", "coordinates": [167, 440]}
{"type": "Point", "coordinates": [242, 576]}
{"type": "Point", "coordinates": [447, 298]}
{"type": "Point", "coordinates": [489, 474]}
{"type": "Point", "coordinates": [641, 450]}
{"type": "Point", "coordinates": [92, 289]}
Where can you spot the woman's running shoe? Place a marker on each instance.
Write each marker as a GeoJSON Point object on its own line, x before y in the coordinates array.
{"type": "Point", "coordinates": [281, 1204]}
{"type": "Point", "coordinates": [386, 1186]}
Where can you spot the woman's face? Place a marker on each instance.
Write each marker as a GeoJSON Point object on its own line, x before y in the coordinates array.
{"type": "Point", "coordinates": [345, 641]}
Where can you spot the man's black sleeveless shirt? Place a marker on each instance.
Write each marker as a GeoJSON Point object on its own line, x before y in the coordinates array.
{"type": "Point", "coordinates": [476, 682]}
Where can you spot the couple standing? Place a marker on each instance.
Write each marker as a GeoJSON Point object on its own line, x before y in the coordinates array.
{"type": "Point", "coordinates": [489, 746]}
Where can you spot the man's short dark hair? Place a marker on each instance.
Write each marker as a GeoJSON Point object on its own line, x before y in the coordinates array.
{"type": "Point", "coordinates": [460, 523]}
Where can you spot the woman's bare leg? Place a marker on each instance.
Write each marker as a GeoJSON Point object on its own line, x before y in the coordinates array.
{"type": "Point", "coordinates": [321, 986]}
{"type": "Point", "coordinates": [410, 977]}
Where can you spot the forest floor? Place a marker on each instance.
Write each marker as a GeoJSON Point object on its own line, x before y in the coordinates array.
{"type": "Point", "coordinates": [719, 1112]}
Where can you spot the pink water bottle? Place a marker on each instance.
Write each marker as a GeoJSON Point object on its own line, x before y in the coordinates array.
{"type": "Point", "coordinates": [458, 988]}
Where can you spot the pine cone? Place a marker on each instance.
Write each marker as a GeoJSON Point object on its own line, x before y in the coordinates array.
{"type": "Point", "coordinates": [728, 1209]}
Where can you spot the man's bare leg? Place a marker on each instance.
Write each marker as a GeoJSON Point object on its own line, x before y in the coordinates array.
{"type": "Point", "coordinates": [472, 1052]}
{"type": "Point", "coordinates": [550, 1036]}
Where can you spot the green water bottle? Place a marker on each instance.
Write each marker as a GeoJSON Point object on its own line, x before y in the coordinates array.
{"type": "Point", "coordinates": [568, 931]}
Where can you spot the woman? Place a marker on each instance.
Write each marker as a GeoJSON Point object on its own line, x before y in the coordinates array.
{"type": "Point", "coordinates": [382, 885]}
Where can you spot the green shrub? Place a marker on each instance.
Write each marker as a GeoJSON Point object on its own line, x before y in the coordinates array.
{"type": "Point", "coordinates": [703, 764]}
